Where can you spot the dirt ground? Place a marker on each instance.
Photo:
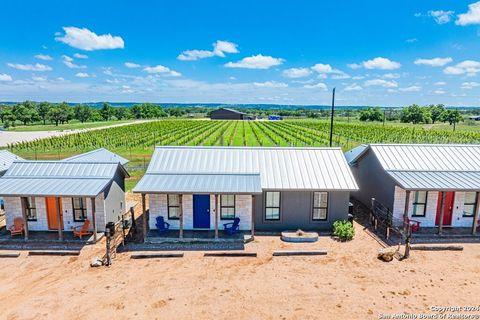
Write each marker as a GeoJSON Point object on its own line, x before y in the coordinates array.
{"type": "Point", "coordinates": [348, 283]}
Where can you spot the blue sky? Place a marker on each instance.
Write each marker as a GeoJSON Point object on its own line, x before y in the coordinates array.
{"type": "Point", "coordinates": [283, 52]}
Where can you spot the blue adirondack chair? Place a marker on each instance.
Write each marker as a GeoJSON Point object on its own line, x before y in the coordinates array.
{"type": "Point", "coordinates": [161, 225]}
{"type": "Point", "coordinates": [232, 227]}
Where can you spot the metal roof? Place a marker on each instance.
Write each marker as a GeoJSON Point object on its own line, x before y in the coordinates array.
{"type": "Point", "coordinates": [57, 178]}
{"type": "Point", "coordinates": [100, 155]}
{"type": "Point", "coordinates": [430, 166]}
{"type": "Point", "coordinates": [200, 183]}
{"type": "Point", "coordinates": [353, 154]}
{"type": "Point", "coordinates": [279, 168]}
{"type": "Point", "coordinates": [231, 110]}
{"type": "Point", "coordinates": [6, 159]}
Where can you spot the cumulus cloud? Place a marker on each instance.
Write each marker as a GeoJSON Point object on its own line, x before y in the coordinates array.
{"type": "Point", "coordinates": [82, 75]}
{"type": "Point", "coordinates": [470, 85]}
{"type": "Point", "coordinates": [80, 56]}
{"type": "Point", "coordinates": [296, 72]}
{"type": "Point", "coordinates": [39, 79]}
{"type": "Point", "coordinates": [472, 16]}
{"type": "Point", "coordinates": [381, 64]}
{"type": "Point", "coordinates": [353, 87]}
{"type": "Point", "coordinates": [391, 76]}
{"type": "Point", "coordinates": [439, 91]}
{"type": "Point", "coordinates": [440, 83]}
{"type": "Point", "coordinates": [68, 61]}
{"type": "Point", "coordinates": [44, 57]}
{"type": "Point", "coordinates": [30, 67]}
{"type": "Point", "coordinates": [131, 65]}
{"type": "Point", "coordinates": [381, 83]}
{"type": "Point", "coordinates": [219, 49]}
{"type": "Point", "coordinates": [258, 61]}
{"type": "Point", "coordinates": [270, 84]}
{"type": "Point", "coordinates": [467, 67]}
{"type": "Point", "coordinates": [159, 69]}
{"type": "Point", "coordinates": [354, 66]}
{"type": "Point", "coordinates": [440, 16]}
{"type": "Point", "coordinates": [322, 86]}
{"type": "Point", "coordinates": [411, 89]}
{"type": "Point", "coordinates": [5, 77]}
{"type": "Point", "coordinates": [434, 62]}
{"type": "Point", "coordinates": [84, 39]}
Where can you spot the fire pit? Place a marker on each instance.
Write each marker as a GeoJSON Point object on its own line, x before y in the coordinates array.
{"type": "Point", "coordinates": [299, 236]}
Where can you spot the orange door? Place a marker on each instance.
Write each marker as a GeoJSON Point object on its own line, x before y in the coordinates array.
{"type": "Point", "coordinates": [51, 203]}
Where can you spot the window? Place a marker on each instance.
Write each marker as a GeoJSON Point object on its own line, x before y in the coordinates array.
{"type": "Point", "coordinates": [30, 208]}
{"type": "Point", "coordinates": [320, 205]}
{"type": "Point", "coordinates": [272, 205]}
{"type": "Point", "coordinates": [227, 206]}
{"type": "Point", "coordinates": [173, 206]}
{"type": "Point", "coordinates": [419, 203]}
{"type": "Point", "coordinates": [79, 209]}
{"type": "Point", "coordinates": [470, 204]}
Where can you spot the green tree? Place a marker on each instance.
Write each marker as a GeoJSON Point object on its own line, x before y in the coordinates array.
{"type": "Point", "coordinates": [82, 112]}
{"type": "Point", "coordinates": [436, 112]}
{"type": "Point", "coordinates": [9, 117]}
{"type": "Point", "coordinates": [42, 110]}
{"type": "Point", "coordinates": [371, 114]}
{"type": "Point", "coordinates": [106, 111]}
{"type": "Point", "coordinates": [452, 116]}
{"type": "Point", "coordinates": [415, 114]}
{"type": "Point", "coordinates": [122, 113]}
{"type": "Point", "coordinates": [60, 113]}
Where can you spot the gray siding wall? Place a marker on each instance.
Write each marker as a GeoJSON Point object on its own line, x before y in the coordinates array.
{"type": "Point", "coordinates": [226, 115]}
{"type": "Point", "coordinates": [373, 181]}
{"type": "Point", "coordinates": [296, 211]}
{"type": "Point", "coordinates": [114, 202]}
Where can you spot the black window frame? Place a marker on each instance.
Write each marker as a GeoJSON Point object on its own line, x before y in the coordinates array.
{"type": "Point", "coordinates": [82, 209]}
{"type": "Point", "coordinates": [228, 207]}
{"type": "Point", "coordinates": [27, 206]}
{"type": "Point", "coordinates": [326, 208]}
{"type": "Point", "coordinates": [414, 204]}
{"type": "Point", "coordinates": [279, 206]}
{"type": "Point", "coordinates": [173, 206]}
{"type": "Point", "coordinates": [474, 204]}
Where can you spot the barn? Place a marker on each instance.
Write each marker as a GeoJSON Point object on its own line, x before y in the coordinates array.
{"type": "Point", "coordinates": [228, 114]}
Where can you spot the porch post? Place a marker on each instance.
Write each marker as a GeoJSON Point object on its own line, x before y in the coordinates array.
{"type": "Point", "coordinates": [25, 220]}
{"type": "Point", "coordinates": [216, 216]}
{"type": "Point", "coordinates": [476, 214]}
{"type": "Point", "coordinates": [442, 207]}
{"type": "Point", "coordinates": [405, 212]}
{"type": "Point", "coordinates": [94, 219]}
{"type": "Point", "coordinates": [253, 216]}
{"type": "Point", "coordinates": [144, 217]}
{"type": "Point", "coordinates": [59, 219]}
{"type": "Point", "coordinates": [180, 204]}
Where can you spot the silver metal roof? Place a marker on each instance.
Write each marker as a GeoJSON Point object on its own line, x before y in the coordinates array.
{"type": "Point", "coordinates": [57, 178]}
{"type": "Point", "coordinates": [6, 159]}
{"type": "Point", "coordinates": [200, 183]}
{"type": "Point", "coordinates": [279, 168]}
{"type": "Point", "coordinates": [100, 155]}
{"type": "Point", "coordinates": [430, 166]}
{"type": "Point", "coordinates": [353, 154]}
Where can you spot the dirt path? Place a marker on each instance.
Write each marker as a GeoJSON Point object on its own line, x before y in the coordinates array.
{"type": "Point", "coordinates": [8, 137]}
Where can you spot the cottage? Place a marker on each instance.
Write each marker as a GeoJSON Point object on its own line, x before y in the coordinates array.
{"type": "Point", "coordinates": [59, 195]}
{"type": "Point", "coordinates": [269, 189]}
{"type": "Point", "coordinates": [6, 160]}
{"type": "Point", "coordinates": [437, 185]}
{"type": "Point", "coordinates": [228, 114]}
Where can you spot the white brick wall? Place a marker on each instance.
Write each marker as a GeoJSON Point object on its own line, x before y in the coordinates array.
{"type": "Point", "coordinates": [158, 207]}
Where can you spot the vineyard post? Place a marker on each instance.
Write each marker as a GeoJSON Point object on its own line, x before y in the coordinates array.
{"type": "Point", "coordinates": [331, 116]}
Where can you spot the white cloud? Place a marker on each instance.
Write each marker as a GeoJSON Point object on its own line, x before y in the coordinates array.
{"type": "Point", "coordinates": [439, 91]}
{"type": "Point", "coordinates": [39, 79]}
{"type": "Point", "coordinates": [5, 77]}
{"type": "Point", "coordinates": [440, 83]}
{"type": "Point", "coordinates": [358, 78]}
{"type": "Point", "coordinates": [381, 63]}
{"type": "Point", "coordinates": [411, 89]}
{"type": "Point", "coordinates": [87, 40]}
{"type": "Point", "coordinates": [470, 85]}
{"type": "Point", "coordinates": [82, 75]}
{"type": "Point", "coordinates": [30, 67]}
{"type": "Point", "coordinates": [340, 76]}
{"type": "Point", "coordinates": [219, 49]}
{"type": "Point", "coordinates": [440, 16]}
{"type": "Point", "coordinates": [270, 84]}
{"type": "Point", "coordinates": [381, 83]}
{"type": "Point", "coordinates": [391, 76]}
{"type": "Point", "coordinates": [80, 56]}
{"type": "Point", "coordinates": [324, 68]}
{"type": "Point", "coordinates": [322, 86]}
{"type": "Point", "coordinates": [131, 65]}
{"type": "Point", "coordinates": [44, 57]}
{"type": "Point", "coordinates": [472, 16]}
{"type": "Point", "coordinates": [68, 61]}
{"type": "Point", "coordinates": [256, 62]}
{"type": "Point", "coordinates": [296, 72]}
{"type": "Point", "coordinates": [162, 70]}
{"type": "Point", "coordinates": [467, 67]}
{"type": "Point", "coordinates": [354, 66]}
{"type": "Point", "coordinates": [434, 62]}
{"type": "Point", "coordinates": [353, 87]}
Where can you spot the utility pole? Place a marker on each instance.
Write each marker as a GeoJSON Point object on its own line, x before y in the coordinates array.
{"type": "Point", "coordinates": [331, 117]}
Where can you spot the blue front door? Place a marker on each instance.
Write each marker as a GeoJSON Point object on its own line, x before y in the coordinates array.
{"type": "Point", "coordinates": [201, 211]}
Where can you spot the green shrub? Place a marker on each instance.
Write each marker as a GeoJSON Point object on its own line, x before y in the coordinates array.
{"type": "Point", "coordinates": [343, 230]}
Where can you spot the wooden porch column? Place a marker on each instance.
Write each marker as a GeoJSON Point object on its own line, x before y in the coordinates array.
{"type": "Point", "coordinates": [94, 219]}
{"type": "Point", "coordinates": [25, 220]}
{"type": "Point", "coordinates": [476, 214]}
{"type": "Point", "coordinates": [180, 204]}
{"type": "Point", "coordinates": [442, 207]}
{"type": "Point", "coordinates": [253, 216]}
{"type": "Point", "coordinates": [59, 219]}
{"type": "Point", "coordinates": [144, 217]}
{"type": "Point", "coordinates": [216, 216]}
{"type": "Point", "coordinates": [405, 212]}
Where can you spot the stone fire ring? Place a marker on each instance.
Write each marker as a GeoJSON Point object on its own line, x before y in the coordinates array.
{"type": "Point", "coordinates": [304, 237]}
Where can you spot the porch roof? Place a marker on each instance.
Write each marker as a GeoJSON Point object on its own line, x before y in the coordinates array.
{"type": "Point", "coordinates": [98, 155]}
{"type": "Point", "coordinates": [437, 180]}
{"type": "Point", "coordinates": [199, 183]}
{"type": "Point", "coordinates": [6, 159]}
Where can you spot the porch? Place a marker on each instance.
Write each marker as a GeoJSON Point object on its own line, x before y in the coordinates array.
{"type": "Point", "coordinates": [49, 237]}
{"type": "Point", "coordinates": [154, 236]}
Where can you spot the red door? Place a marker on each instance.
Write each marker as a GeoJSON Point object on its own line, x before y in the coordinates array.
{"type": "Point", "coordinates": [447, 208]}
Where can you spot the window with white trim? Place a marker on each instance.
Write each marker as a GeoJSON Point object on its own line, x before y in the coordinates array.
{"type": "Point", "coordinates": [320, 206]}
{"type": "Point", "coordinates": [30, 208]}
{"type": "Point", "coordinates": [419, 203]}
{"type": "Point", "coordinates": [272, 205]}
{"type": "Point", "coordinates": [470, 204]}
{"type": "Point", "coordinates": [227, 206]}
{"type": "Point", "coordinates": [79, 206]}
{"type": "Point", "coordinates": [173, 202]}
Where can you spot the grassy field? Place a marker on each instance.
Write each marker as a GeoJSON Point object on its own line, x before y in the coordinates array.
{"type": "Point", "coordinates": [73, 125]}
